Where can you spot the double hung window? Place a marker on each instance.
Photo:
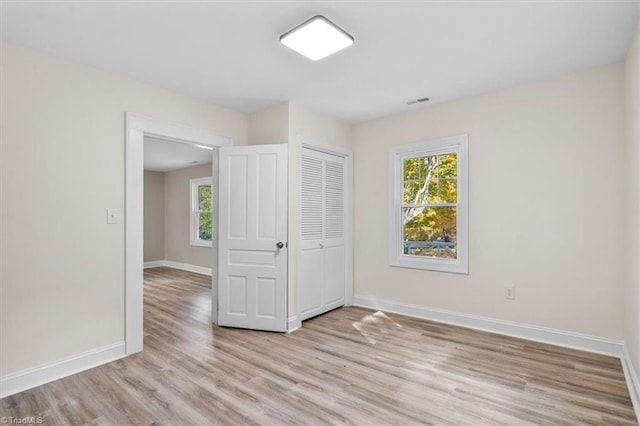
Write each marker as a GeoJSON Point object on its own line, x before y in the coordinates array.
{"type": "Point", "coordinates": [428, 217]}
{"type": "Point", "coordinates": [201, 217]}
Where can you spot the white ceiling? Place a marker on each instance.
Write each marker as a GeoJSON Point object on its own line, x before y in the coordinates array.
{"type": "Point", "coordinates": [228, 52]}
{"type": "Point", "coordinates": [163, 156]}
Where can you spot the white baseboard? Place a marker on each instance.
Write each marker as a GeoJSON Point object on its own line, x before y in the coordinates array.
{"type": "Point", "coordinates": [524, 331]}
{"type": "Point", "coordinates": [177, 265]}
{"type": "Point", "coordinates": [27, 379]}
{"type": "Point", "coordinates": [189, 268]}
{"type": "Point", "coordinates": [293, 323]}
{"type": "Point", "coordinates": [631, 377]}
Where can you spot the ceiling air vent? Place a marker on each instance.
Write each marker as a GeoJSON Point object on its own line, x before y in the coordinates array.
{"type": "Point", "coordinates": [417, 101]}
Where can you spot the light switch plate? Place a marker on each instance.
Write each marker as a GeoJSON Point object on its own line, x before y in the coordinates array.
{"type": "Point", "coordinates": [510, 292]}
{"type": "Point", "coordinates": [113, 216]}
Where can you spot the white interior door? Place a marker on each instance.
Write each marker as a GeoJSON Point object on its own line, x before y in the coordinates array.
{"type": "Point", "coordinates": [252, 230]}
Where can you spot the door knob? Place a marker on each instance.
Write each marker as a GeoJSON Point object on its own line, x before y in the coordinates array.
{"type": "Point", "coordinates": [279, 244]}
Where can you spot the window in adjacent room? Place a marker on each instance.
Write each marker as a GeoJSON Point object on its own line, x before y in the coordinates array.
{"type": "Point", "coordinates": [201, 217]}
{"type": "Point", "coordinates": [428, 218]}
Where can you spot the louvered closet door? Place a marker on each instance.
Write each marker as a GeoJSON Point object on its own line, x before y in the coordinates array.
{"type": "Point", "coordinates": [310, 260]}
{"type": "Point", "coordinates": [322, 233]}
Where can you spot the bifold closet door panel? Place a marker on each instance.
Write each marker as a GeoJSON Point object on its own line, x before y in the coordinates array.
{"type": "Point", "coordinates": [311, 203]}
{"type": "Point", "coordinates": [334, 202]}
{"type": "Point", "coordinates": [310, 287]}
{"type": "Point", "coordinates": [321, 263]}
{"type": "Point", "coordinates": [334, 278]}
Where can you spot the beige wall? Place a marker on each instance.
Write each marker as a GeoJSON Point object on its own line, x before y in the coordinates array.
{"type": "Point", "coordinates": [309, 125]}
{"type": "Point", "coordinates": [546, 204]}
{"type": "Point", "coordinates": [62, 272]}
{"type": "Point", "coordinates": [632, 288]}
{"type": "Point", "coordinates": [177, 245]}
{"type": "Point", "coordinates": [270, 126]}
{"type": "Point", "coordinates": [167, 210]}
{"type": "Point", "coordinates": [153, 216]}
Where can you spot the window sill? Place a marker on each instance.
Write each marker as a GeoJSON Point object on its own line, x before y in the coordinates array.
{"type": "Point", "coordinates": [201, 244]}
{"type": "Point", "coordinates": [454, 267]}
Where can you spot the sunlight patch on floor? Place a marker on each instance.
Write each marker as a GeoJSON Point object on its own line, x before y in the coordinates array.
{"type": "Point", "coordinates": [374, 327]}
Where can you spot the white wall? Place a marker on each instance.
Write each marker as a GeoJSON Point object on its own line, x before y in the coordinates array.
{"type": "Point", "coordinates": [62, 272]}
{"type": "Point", "coordinates": [177, 207]}
{"type": "Point", "coordinates": [153, 216]}
{"type": "Point", "coordinates": [546, 204]}
{"type": "Point", "coordinates": [632, 288]}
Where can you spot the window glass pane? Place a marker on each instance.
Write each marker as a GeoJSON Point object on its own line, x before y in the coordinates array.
{"type": "Point", "coordinates": [448, 190]}
{"type": "Point", "coordinates": [430, 232]}
{"type": "Point", "coordinates": [412, 169]}
{"type": "Point", "coordinates": [413, 173]}
{"type": "Point", "coordinates": [204, 226]}
{"type": "Point", "coordinates": [204, 198]}
{"type": "Point", "coordinates": [430, 179]}
{"type": "Point", "coordinates": [442, 191]}
{"type": "Point", "coordinates": [433, 196]}
{"type": "Point", "coordinates": [411, 189]}
{"type": "Point", "coordinates": [447, 166]}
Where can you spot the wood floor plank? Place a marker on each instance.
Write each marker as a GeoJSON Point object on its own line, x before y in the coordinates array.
{"type": "Point", "coordinates": [349, 366]}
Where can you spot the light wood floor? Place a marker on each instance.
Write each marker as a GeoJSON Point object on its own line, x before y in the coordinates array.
{"type": "Point", "coordinates": [349, 366]}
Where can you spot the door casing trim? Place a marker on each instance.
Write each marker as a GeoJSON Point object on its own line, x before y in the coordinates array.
{"type": "Point", "coordinates": [137, 126]}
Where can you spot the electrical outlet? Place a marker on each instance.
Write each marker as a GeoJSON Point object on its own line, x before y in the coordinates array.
{"type": "Point", "coordinates": [113, 216]}
{"type": "Point", "coordinates": [510, 292]}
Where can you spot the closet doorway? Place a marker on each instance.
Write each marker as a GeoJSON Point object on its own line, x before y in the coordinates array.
{"type": "Point", "coordinates": [324, 241]}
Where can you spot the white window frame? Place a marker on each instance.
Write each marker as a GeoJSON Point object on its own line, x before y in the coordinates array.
{"type": "Point", "coordinates": [194, 211]}
{"type": "Point", "coordinates": [457, 145]}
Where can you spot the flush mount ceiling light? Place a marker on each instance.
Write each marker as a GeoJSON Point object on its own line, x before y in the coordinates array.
{"type": "Point", "coordinates": [316, 38]}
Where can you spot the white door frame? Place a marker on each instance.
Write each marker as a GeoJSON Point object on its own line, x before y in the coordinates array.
{"type": "Point", "coordinates": [137, 126]}
{"type": "Point", "coordinates": [347, 154]}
